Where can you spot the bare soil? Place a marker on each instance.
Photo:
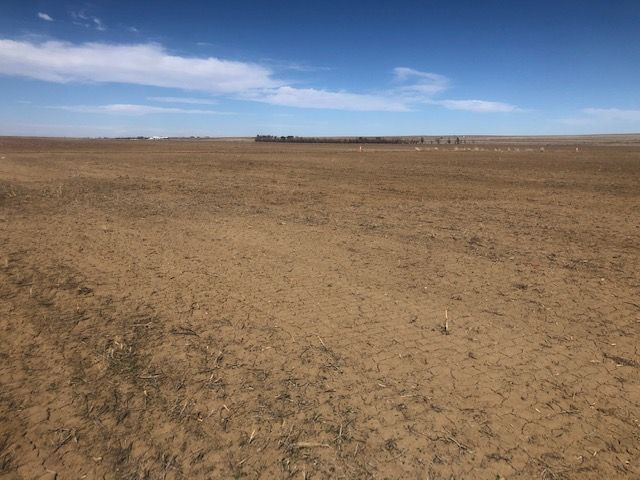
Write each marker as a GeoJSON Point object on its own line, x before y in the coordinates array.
{"type": "Point", "coordinates": [201, 309]}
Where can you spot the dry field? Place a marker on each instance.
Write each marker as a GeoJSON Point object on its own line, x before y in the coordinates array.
{"type": "Point", "coordinates": [201, 309]}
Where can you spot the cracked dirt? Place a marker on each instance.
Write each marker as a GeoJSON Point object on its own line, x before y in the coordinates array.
{"type": "Point", "coordinates": [200, 309]}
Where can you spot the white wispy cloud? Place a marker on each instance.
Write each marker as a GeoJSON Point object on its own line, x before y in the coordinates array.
{"type": "Point", "coordinates": [45, 16]}
{"type": "Point", "coordinates": [134, 109]}
{"type": "Point", "coordinates": [413, 86]}
{"type": "Point", "coordinates": [186, 100]}
{"type": "Point", "coordinates": [480, 106]}
{"type": "Point", "coordinates": [141, 64]}
{"type": "Point", "coordinates": [424, 87]}
{"type": "Point", "coordinates": [283, 65]}
{"type": "Point", "coordinates": [612, 114]}
{"type": "Point", "coordinates": [88, 21]}
{"type": "Point", "coordinates": [99, 25]}
{"type": "Point", "coordinates": [419, 85]}
{"type": "Point", "coordinates": [340, 100]}
{"type": "Point", "coordinates": [152, 65]}
{"type": "Point", "coordinates": [603, 117]}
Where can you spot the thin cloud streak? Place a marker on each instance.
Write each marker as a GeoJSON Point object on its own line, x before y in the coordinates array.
{"type": "Point", "coordinates": [185, 100]}
{"type": "Point", "coordinates": [88, 21]}
{"type": "Point", "coordinates": [613, 114]}
{"type": "Point", "coordinates": [134, 109]}
{"type": "Point", "coordinates": [44, 16]}
{"type": "Point", "coordinates": [317, 98]}
{"type": "Point", "coordinates": [479, 106]}
{"type": "Point", "coordinates": [593, 117]}
{"type": "Point", "coordinates": [419, 85]}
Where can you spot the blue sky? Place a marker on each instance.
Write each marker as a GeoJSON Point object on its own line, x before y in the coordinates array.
{"type": "Point", "coordinates": [112, 68]}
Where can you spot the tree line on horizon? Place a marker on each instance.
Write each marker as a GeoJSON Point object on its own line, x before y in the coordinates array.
{"type": "Point", "coordinates": [390, 140]}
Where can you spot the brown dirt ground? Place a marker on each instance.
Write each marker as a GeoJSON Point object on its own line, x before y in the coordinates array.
{"type": "Point", "coordinates": [228, 309]}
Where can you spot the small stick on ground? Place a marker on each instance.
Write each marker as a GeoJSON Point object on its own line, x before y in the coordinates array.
{"type": "Point", "coordinates": [311, 445]}
{"type": "Point", "coordinates": [217, 359]}
{"type": "Point", "coordinates": [446, 321]}
{"type": "Point", "coordinates": [183, 408]}
{"type": "Point", "coordinates": [461, 446]}
{"type": "Point", "coordinates": [184, 331]}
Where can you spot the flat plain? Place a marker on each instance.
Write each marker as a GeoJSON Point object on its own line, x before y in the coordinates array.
{"type": "Point", "coordinates": [203, 309]}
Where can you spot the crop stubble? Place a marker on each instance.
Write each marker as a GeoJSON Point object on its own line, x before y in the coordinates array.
{"type": "Point", "coordinates": [186, 309]}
